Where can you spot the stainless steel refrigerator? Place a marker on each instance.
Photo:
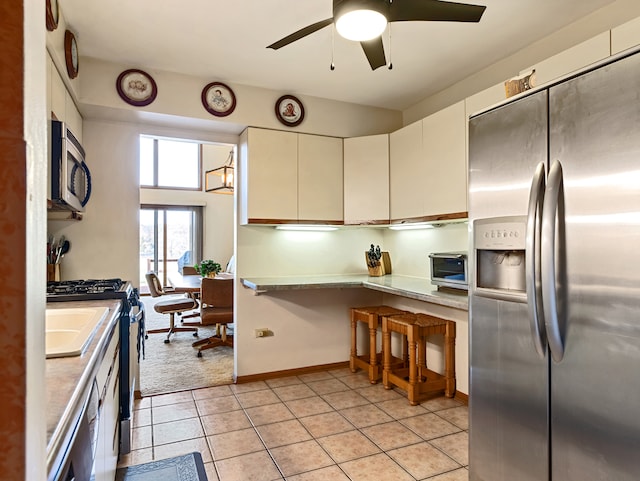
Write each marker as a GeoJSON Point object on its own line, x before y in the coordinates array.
{"type": "Point", "coordinates": [554, 207]}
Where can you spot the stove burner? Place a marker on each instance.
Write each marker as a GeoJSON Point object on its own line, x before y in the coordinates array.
{"type": "Point", "coordinates": [88, 286]}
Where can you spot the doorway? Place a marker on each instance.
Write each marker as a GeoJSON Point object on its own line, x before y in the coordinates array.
{"type": "Point", "coordinates": [170, 237]}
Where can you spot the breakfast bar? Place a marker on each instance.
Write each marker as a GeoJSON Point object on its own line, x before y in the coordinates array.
{"type": "Point", "coordinates": [405, 286]}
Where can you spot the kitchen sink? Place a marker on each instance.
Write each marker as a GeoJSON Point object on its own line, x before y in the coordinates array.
{"type": "Point", "coordinates": [68, 331]}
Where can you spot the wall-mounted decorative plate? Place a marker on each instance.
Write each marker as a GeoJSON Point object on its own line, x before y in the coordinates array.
{"type": "Point", "coordinates": [136, 87]}
{"type": "Point", "coordinates": [71, 56]}
{"type": "Point", "coordinates": [52, 15]}
{"type": "Point", "coordinates": [289, 110]}
{"type": "Point", "coordinates": [218, 99]}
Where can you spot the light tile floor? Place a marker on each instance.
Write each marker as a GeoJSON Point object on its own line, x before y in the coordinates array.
{"type": "Point", "coordinates": [331, 425]}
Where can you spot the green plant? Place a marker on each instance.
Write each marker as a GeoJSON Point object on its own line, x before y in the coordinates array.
{"type": "Point", "coordinates": [207, 267]}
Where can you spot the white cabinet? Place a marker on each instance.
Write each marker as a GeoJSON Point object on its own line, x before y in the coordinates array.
{"type": "Point", "coordinates": [60, 104]}
{"type": "Point", "coordinates": [289, 177]}
{"type": "Point", "coordinates": [320, 173]}
{"type": "Point", "coordinates": [444, 186]}
{"type": "Point", "coordinates": [269, 165]}
{"type": "Point", "coordinates": [366, 179]}
{"type": "Point", "coordinates": [106, 457]}
{"type": "Point", "coordinates": [625, 36]}
{"type": "Point", "coordinates": [407, 172]}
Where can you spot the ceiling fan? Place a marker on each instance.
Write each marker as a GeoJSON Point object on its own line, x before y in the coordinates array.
{"type": "Point", "coordinates": [365, 20]}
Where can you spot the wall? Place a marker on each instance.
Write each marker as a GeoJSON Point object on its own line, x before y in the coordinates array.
{"type": "Point", "coordinates": [105, 243]}
{"type": "Point", "coordinates": [601, 20]}
{"type": "Point", "coordinates": [311, 326]}
{"type": "Point", "coordinates": [179, 96]}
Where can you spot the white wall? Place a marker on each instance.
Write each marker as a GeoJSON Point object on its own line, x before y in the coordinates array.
{"type": "Point", "coordinates": [614, 14]}
{"type": "Point", "coordinates": [179, 96]}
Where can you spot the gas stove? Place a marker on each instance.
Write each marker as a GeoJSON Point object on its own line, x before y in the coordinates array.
{"type": "Point", "coordinates": [88, 290]}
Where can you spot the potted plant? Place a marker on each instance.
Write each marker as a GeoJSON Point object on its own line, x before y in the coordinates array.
{"type": "Point", "coordinates": [208, 268]}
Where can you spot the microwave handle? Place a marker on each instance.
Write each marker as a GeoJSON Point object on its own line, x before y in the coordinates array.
{"type": "Point", "coordinates": [87, 175]}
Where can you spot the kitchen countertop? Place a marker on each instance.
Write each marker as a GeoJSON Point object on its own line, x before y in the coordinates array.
{"type": "Point", "coordinates": [67, 378]}
{"type": "Point", "coordinates": [405, 286]}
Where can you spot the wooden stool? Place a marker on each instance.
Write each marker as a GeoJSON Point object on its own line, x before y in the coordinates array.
{"type": "Point", "coordinates": [416, 378]}
{"type": "Point", "coordinates": [371, 362]}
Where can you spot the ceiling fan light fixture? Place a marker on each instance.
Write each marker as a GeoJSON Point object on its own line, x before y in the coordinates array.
{"type": "Point", "coordinates": [361, 25]}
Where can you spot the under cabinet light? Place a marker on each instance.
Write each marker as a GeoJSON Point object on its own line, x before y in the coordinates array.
{"type": "Point", "coordinates": [411, 226]}
{"type": "Point", "coordinates": [300, 227]}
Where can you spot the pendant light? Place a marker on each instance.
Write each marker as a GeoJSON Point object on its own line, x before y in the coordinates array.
{"type": "Point", "coordinates": [221, 179]}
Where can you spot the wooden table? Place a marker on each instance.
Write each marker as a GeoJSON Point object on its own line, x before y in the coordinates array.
{"type": "Point", "coordinates": [191, 283]}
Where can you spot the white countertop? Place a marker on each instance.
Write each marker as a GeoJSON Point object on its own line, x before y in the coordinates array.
{"type": "Point", "coordinates": [405, 286]}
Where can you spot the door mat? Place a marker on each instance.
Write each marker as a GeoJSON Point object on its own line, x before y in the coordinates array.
{"type": "Point", "coordinates": [181, 468]}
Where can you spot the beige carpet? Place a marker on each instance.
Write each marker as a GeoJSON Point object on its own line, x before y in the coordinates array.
{"type": "Point", "coordinates": [175, 366]}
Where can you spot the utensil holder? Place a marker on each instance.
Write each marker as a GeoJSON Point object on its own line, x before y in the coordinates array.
{"type": "Point", "coordinates": [53, 272]}
{"type": "Point", "coordinates": [383, 267]}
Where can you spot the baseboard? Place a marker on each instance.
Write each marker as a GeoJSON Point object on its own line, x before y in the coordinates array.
{"type": "Point", "coordinates": [290, 372]}
{"type": "Point", "coordinates": [462, 397]}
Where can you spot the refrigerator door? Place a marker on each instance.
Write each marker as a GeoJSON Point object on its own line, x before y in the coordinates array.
{"type": "Point", "coordinates": [595, 388]}
{"type": "Point", "coordinates": [508, 401]}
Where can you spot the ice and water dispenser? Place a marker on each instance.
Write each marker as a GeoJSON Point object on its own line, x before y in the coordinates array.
{"type": "Point", "coordinates": [499, 248]}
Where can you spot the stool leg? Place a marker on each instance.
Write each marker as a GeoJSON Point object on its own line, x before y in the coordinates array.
{"type": "Point", "coordinates": [373, 356]}
{"type": "Point", "coordinates": [386, 356]}
{"type": "Point", "coordinates": [422, 357]}
{"type": "Point", "coordinates": [354, 343]}
{"type": "Point", "coordinates": [413, 371]}
{"type": "Point", "coordinates": [450, 359]}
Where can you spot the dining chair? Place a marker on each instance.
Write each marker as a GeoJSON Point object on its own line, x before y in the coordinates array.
{"type": "Point", "coordinates": [174, 304]}
{"type": "Point", "coordinates": [216, 307]}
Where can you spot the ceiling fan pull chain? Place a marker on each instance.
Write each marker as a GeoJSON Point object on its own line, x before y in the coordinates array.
{"type": "Point", "coordinates": [390, 66]}
{"type": "Point", "coordinates": [333, 65]}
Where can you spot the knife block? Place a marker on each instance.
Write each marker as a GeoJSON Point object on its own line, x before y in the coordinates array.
{"type": "Point", "coordinates": [383, 267]}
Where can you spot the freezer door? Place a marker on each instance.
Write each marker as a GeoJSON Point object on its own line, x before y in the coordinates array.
{"type": "Point", "coordinates": [509, 385]}
{"type": "Point", "coordinates": [595, 388]}
{"type": "Point", "coordinates": [505, 146]}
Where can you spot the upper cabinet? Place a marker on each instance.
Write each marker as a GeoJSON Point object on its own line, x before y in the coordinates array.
{"type": "Point", "coordinates": [444, 186]}
{"type": "Point", "coordinates": [429, 169]}
{"type": "Point", "coordinates": [366, 180]}
{"type": "Point", "coordinates": [320, 167]}
{"type": "Point", "coordinates": [59, 101]}
{"type": "Point", "coordinates": [407, 172]}
{"type": "Point", "coordinates": [625, 36]}
{"type": "Point", "coordinates": [288, 177]}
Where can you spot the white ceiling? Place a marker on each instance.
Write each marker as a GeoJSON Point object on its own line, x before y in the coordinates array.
{"type": "Point", "coordinates": [225, 40]}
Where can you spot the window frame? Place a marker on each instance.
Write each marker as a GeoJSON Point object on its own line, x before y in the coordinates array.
{"type": "Point", "coordinates": [155, 185]}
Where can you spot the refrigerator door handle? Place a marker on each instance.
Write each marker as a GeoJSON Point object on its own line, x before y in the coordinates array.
{"type": "Point", "coordinates": [532, 261]}
{"type": "Point", "coordinates": [554, 261]}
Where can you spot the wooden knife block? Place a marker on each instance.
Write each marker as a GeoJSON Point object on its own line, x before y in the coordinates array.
{"type": "Point", "coordinates": [383, 267]}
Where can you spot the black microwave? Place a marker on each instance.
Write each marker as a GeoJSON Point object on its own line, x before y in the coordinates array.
{"type": "Point", "coordinates": [70, 177]}
{"type": "Point", "coordinates": [449, 269]}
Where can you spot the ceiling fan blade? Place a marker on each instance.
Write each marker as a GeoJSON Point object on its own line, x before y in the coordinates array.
{"type": "Point", "coordinates": [434, 10]}
{"type": "Point", "coordinates": [303, 32]}
{"type": "Point", "coordinates": [374, 50]}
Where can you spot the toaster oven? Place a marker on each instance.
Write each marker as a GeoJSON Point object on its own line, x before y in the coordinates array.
{"type": "Point", "coordinates": [449, 269]}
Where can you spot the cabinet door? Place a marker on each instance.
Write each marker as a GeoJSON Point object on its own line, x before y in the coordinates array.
{"type": "Point", "coordinates": [58, 94]}
{"type": "Point", "coordinates": [271, 172]}
{"type": "Point", "coordinates": [444, 186]}
{"type": "Point", "coordinates": [625, 36]}
{"type": "Point", "coordinates": [320, 187]}
{"type": "Point", "coordinates": [366, 180]}
{"type": "Point", "coordinates": [407, 172]}
{"type": "Point", "coordinates": [73, 117]}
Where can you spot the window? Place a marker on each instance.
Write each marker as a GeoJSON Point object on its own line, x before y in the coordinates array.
{"type": "Point", "coordinates": [170, 238]}
{"type": "Point", "coordinates": [169, 163]}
